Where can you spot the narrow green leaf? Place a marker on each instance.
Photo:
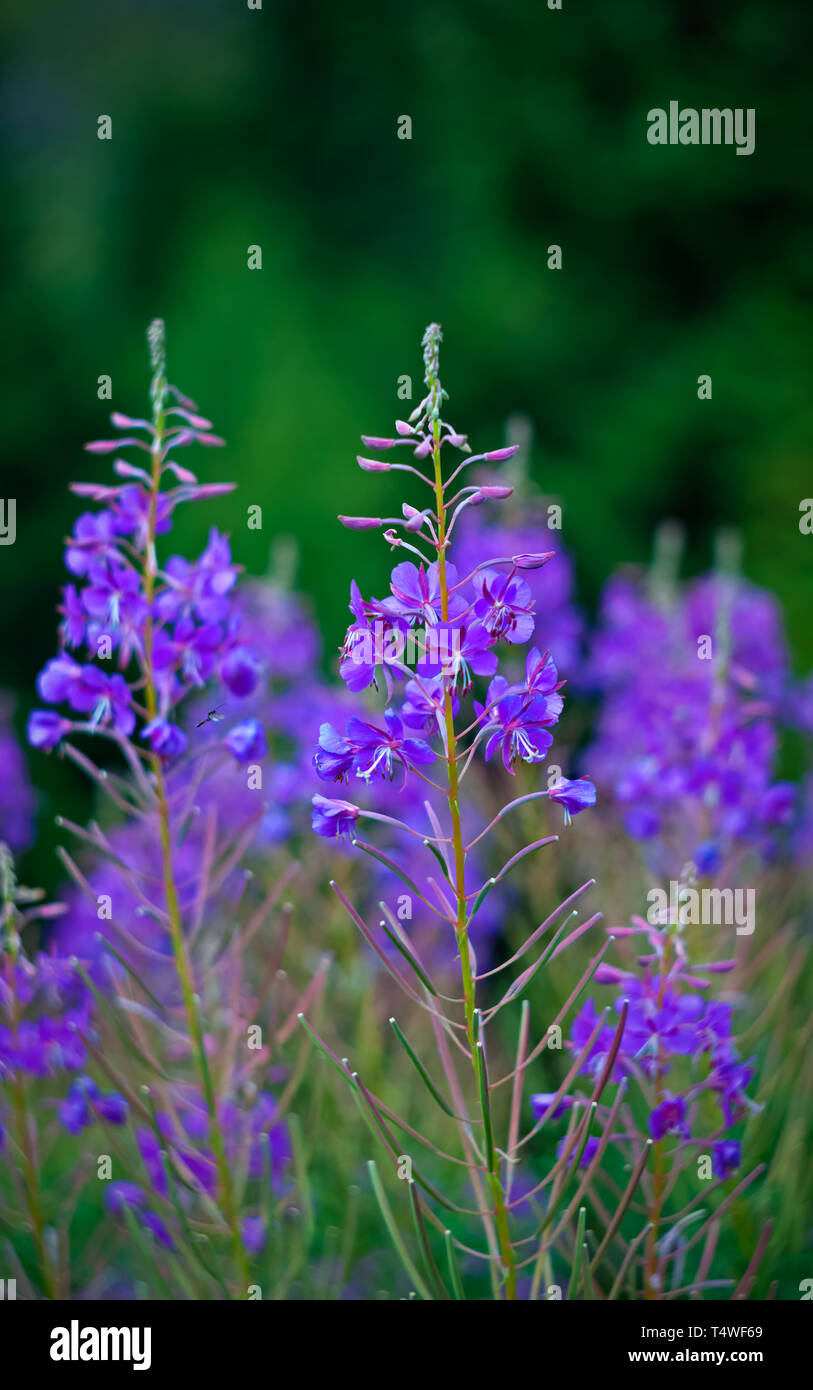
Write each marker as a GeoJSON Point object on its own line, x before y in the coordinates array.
{"type": "Point", "coordinates": [391, 865]}
{"type": "Point", "coordinates": [126, 1037]}
{"type": "Point", "coordinates": [407, 955]}
{"type": "Point", "coordinates": [478, 901]}
{"type": "Point", "coordinates": [577, 1255]}
{"type": "Point", "coordinates": [423, 1241]}
{"type": "Point", "coordinates": [421, 1069]}
{"type": "Point", "coordinates": [482, 1079]}
{"type": "Point", "coordinates": [130, 971]}
{"type": "Point", "coordinates": [395, 1234]}
{"type": "Point", "coordinates": [439, 857]}
{"type": "Point", "coordinates": [454, 1268]}
{"type": "Point", "coordinates": [323, 1047]}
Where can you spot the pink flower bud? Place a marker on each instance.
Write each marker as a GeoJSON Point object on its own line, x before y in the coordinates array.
{"type": "Point", "coordinates": [198, 422]}
{"type": "Point", "coordinates": [182, 474]}
{"type": "Point", "coordinates": [361, 523]}
{"type": "Point", "coordinates": [414, 518]}
{"type": "Point", "coordinates": [372, 465]}
{"type": "Point", "coordinates": [98, 492]}
{"type": "Point", "coordinates": [373, 442]}
{"type": "Point", "coordinates": [500, 455]}
{"type": "Point", "coordinates": [532, 562]}
{"type": "Point", "coordinates": [108, 446]}
{"type": "Point", "coordinates": [496, 492]}
{"type": "Point", "coordinates": [126, 422]}
{"type": "Point", "coordinates": [129, 470]}
{"type": "Point", "coordinates": [424, 448]}
{"type": "Point", "coordinates": [403, 427]}
{"type": "Point", "coordinates": [214, 489]}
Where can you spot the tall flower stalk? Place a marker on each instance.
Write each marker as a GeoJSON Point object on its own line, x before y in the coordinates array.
{"type": "Point", "coordinates": [456, 625]}
{"type": "Point", "coordinates": [153, 635]}
{"type": "Point", "coordinates": [158, 447]}
{"type": "Point", "coordinates": [431, 345]}
{"type": "Point", "coordinates": [13, 902]}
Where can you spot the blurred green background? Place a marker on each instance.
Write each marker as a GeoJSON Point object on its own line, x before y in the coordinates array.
{"type": "Point", "coordinates": [234, 127]}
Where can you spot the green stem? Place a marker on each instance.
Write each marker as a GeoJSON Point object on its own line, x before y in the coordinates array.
{"type": "Point", "coordinates": [659, 1174]}
{"type": "Point", "coordinates": [494, 1182]}
{"type": "Point", "coordinates": [179, 949]}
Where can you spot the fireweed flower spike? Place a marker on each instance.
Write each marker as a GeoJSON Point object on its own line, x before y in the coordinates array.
{"type": "Point", "coordinates": [140, 635]}
{"type": "Point", "coordinates": [686, 744]}
{"type": "Point", "coordinates": [458, 621]}
{"type": "Point", "coordinates": [46, 1018]}
{"type": "Point", "coordinates": [679, 1054]}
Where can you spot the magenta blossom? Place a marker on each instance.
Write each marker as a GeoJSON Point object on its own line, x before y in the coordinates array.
{"type": "Point", "coordinates": [333, 818]}
{"type": "Point", "coordinates": [377, 750]}
{"type": "Point", "coordinates": [573, 796]}
{"type": "Point", "coordinates": [519, 723]}
{"type": "Point", "coordinates": [505, 606]}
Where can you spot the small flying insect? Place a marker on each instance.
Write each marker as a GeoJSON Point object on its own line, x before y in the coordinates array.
{"type": "Point", "coordinates": [212, 717]}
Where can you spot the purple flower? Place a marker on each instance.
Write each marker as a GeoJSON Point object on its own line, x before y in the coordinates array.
{"type": "Point", "coordinates": [88, 690]}
{"type": "Point", "coordinates": [191, 649]}
{"type": "Point", "coordinates": [112, 1108]}
{"type": "Point", "coordinates": [682, 741]}
{"type": "Point", "coordinates": [113, 596]}
{"type": "Point", "coordinates": [131, 505]}
{"type": "Point", "coordinates": [778, 803]}
{"type": "Point", "coordinates": [121, 1194]}
{"type": "Point", "coordinates": [164, 738]}
{"type": "Point", "coordinates": [425, 702]}
{"type": "Point", "coordinates": [240, 671]}
{"type": "Point", "coordinates": [707, 858]}
{"type": "Point", "coordinates": [376, 750]}
{"type": "Point", "coordinates": [247, 741]}
{"type": "Point", "coordinates": [152, 1159]}
{"type": "Point", "coordinates": [333, 818]}
{"type": "Point", "coordinates": [542, 1100]}
{"type": "Point", "coordinates": [85, 1102]}
{"type": "Point", "coordinates": [587, 1157]}
{"type": "Point", "coordinates": [725, 1157]}
{"type": "Point", "coordinates": [254, 1234]}
{"type": "Point", "coordinates": [153, 1222]}
{"type": "Point", "coordinates": [460, 651]}
{"type": "Point", "coordinates": [519, 723]}
{"type": "Point", "coordinates": [57, 679]}
{"type": "Point", "coordinates": [201, 587]}
{"type": "Point", "coordinates": [662, 1020]}
{"type": "Point", "coordinates": [416, 593]}
{"type": "Point", "coordinates": [729, 1078]}
{"type": "Point", "coordinates": [542, 678]}
{"type": "Point", "coordinates": [72, 627]}
{"type": "Point", "coordinates": [367, 646]}
{"type": "Point", "coordinates": [581, 1030]}
{"type": "Point", "coordinates": [334, 755]}
{"type": "Point", "coordinates": [95, 535]}
{"type": "Point", "coordinates": [73, 1113]}
{"type": "Point", "coordinates": [271, 1144]}
{"type": "Point", "coordinates": [573, 796]}
{"type": "Point", "coordinates": [505, 606]}
{"type": "Point", "coordinates": [669, 1117]}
